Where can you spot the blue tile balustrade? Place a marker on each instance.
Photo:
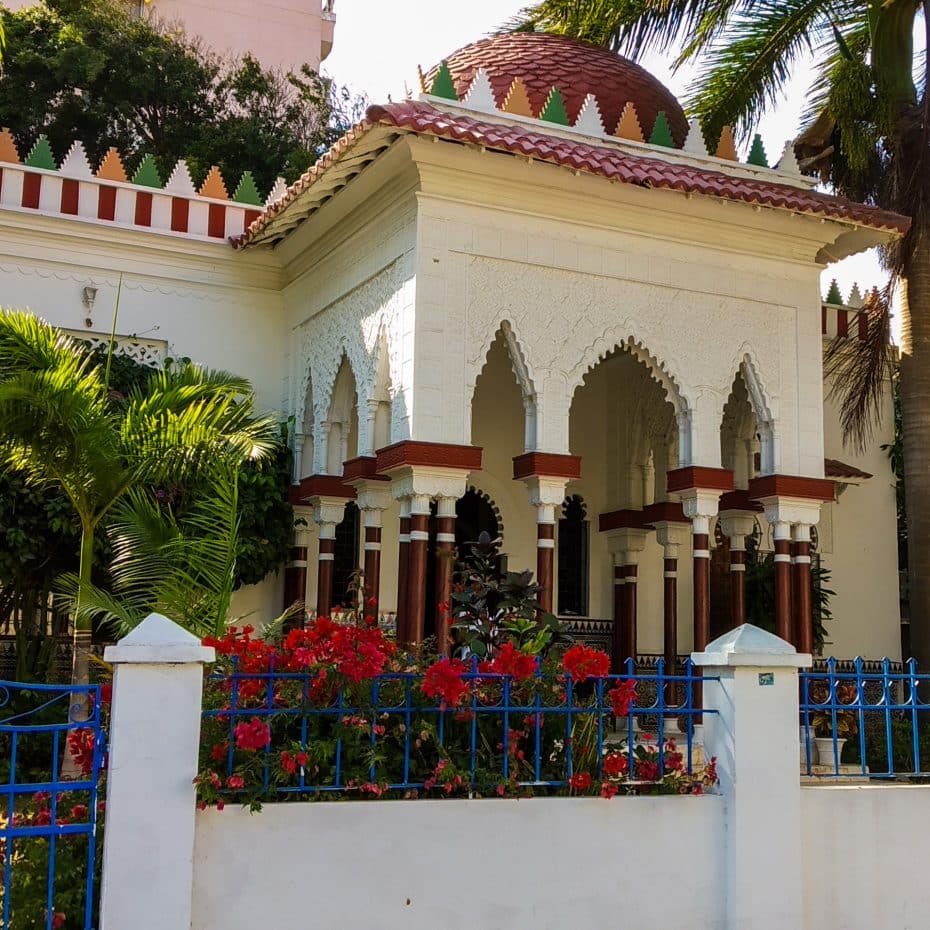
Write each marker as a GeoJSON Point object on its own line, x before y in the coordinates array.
{"type": "Point", "coordinates": [865, 720]}
{"type": "Point", "coordinates": [52, 745]}
{"type": "Point", "coordinates": [551, 712]}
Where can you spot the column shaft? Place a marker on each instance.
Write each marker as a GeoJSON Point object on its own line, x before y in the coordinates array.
{"type": "Point", "coordinates": [324, 590]}
{"type": "Point", "coordinates": [630, 599]}
{"type": "Point", "coordinates": [782, 581]}
{"type": "Point", "coordinates": [445, 559]}
{"type": "Point", "coordinates": [803, 587]}
{"type": "Point", "coordinates": [701, 584]}
{"type": "Point", "coordinates": [416, 577]}
{"type": "Point", "coordinates": [295, 577]}
{"type": "Point", "coordinates": [372, 603]}
{"type": "Point", "coordinates": [737, 584]}
{"type": "Point", "coordinates": [670, 626]}
{"type": "Point", "coordinates": [545, 563]}
{"type": "Point", "coordinates": [403, 560]}
{"type": "Point", "coordinates": [616, 640]}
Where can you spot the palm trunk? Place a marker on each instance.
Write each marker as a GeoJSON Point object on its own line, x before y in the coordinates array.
{"type": "Point", "coordinates": [81, 640]}
{"type": "Point", "coordinates": [915, 424]}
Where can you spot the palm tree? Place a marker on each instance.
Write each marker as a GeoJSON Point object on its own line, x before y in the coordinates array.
{"type": "Point", "coordinates": [60, 425]}
{"type": "Point", "coordinates": [866, 134]}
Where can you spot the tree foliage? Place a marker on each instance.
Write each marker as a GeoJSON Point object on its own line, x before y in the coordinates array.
{"type": "Point", "coordinates": [89, 70]}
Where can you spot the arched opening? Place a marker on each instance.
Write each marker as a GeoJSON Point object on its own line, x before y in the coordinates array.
{"type": "Point", "coordinates": [739, 435]}
{"type": "Point", "coordinates": [573, 565]}
{"type": "Point", "coordinates": [624, 424]}
{"type": "Point", "coordinates": [475, 513]}
{"type": "Point", "coordinates": [303, 437]}
{"type": "Point", "coordinates": [341, 426]}
{"type": "Point", "coordinates": [345, 555]}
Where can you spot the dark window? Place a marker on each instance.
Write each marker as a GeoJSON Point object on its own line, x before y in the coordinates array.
{"type": "Point", "coordinates": [573, 558]}
{"type": "Point", "coordinates": [345, 560]}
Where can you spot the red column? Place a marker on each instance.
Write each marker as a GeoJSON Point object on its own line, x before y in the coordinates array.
{"type": "Point", "coordinates": [629, 627]}
{"type": "Point", "coordinates": [782, 533]}
{"type": "Point", "coordinates": [416, 570]}
{"type": "Point", "coordinates": [324, 589]}
{"type": "Point", "coordinates": [670, 615]}
{"type": "Point", "coordinates": [403, 567]}
{"type": "Point", "coordinates": [802, 578]}
{"type": "Point", "coordinates": [295, 577]}
{"type": "Point", "coordinates": [445, 564]}
{"type": "Point", "coordinates": [737, 581]}
{"type": "Point", "coordinates": [617, 638]}
{"type": "Point", "coordinates": [372, 605]}
{"type": "Point", "coordinates": [701, 584]}
{"type": "Point", "coordinates": [545, 562]}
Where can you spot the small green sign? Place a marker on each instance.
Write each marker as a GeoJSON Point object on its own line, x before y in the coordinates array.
{"type": "Point", "coordinates": [766, 678]}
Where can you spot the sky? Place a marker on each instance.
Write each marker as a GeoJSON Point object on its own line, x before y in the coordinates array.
{"type": "Point", "coordinates": [379, 43]}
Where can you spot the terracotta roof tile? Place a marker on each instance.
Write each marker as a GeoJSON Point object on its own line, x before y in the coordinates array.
{"type": "Point", "coordinates": [576, 68]}
{"type": "Point", "coordinates": [609, 162]}
{"type": "Point", "coordinates": [834, 468]}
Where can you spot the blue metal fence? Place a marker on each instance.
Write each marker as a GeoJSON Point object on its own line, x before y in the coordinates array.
{"type": "Point", "coordinates": [866, 720]}
{"type": "Point", "coordinates": [52, 746]}
{"type": "Point", "coordinates": [531, 735]}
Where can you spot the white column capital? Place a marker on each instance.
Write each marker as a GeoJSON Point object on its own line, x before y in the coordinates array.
{"type": "Point", "coordinates": [327, 512]}
{"type": "Point", "coordinates": [445, 507]}
{"type": "Point", "coordinates": [671, 536]}
{"type": "Point", "coordinates": [700, 505]}
{"type": "Point", "coordinates": [737, 525]}
{"type": "Point", "coordinates": [423, 481]}
{"type": "Point", "coordinates": [373, 497]}
{"type": "Point", "coordinates": [628, 542]}
{"type": "Point", "coordinates": [791, 510]}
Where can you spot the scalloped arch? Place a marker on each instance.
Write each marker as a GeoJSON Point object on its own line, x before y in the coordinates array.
{"type": "Point", "coordinates": [758, 395]}
{"type": "Point", "coordinates": [492, 504]}
{"type": "Point", "coordinates": [658, 371]}
{"type": "Point", "coordinates": [519, 365]}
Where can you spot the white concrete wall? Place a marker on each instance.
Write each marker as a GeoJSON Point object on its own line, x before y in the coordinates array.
{"type": "Point", "coordinates": [858, 544]}
{"type": "Point", "coordinates": [864, 848]}
{"type": "Point", "coordinates": [491, 864]}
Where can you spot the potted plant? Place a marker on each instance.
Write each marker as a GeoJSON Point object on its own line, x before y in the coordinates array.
{"type": "Point", "coordinates": [832, 726]}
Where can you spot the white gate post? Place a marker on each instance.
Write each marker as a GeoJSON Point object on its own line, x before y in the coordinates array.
{"type": "Point", "coordinates": [754, 735]}
{"type": "Point", "coordinates": [154, 738]}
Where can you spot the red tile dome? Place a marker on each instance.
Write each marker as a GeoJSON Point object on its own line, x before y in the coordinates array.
{"type": "Point", "coordinates": [576, 68]}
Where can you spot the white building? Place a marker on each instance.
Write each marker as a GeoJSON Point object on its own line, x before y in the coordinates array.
{"type": "Point", "coordinates": [509, 285]}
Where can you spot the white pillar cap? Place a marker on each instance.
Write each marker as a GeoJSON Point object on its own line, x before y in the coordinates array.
{"type": "Point", "coordinates": [748, 645]}
{"type": "Point", "coordinates": [159, 641]}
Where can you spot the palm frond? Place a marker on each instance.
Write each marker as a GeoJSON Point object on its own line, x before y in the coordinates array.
{"type": "Point", "coordinates": [631, 27]}
{"type": "Point", "coordinates": [747, 69]}
{"type": "Point", "coordinates": [861, 369]}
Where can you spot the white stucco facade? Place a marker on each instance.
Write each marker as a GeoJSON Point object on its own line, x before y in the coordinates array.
{"type": "Point", "coordinates": [458, 296]}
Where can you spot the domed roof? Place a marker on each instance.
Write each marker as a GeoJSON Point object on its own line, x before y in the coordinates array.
{"type": "Point", "coordinates": [544, 61]}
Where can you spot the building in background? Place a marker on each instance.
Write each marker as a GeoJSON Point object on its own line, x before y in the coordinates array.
{"type": "Point", "coordinates": [279, 33]}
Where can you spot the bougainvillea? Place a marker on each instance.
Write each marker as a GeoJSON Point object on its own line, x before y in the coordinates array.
{"type": "Point", "coordinates": [336, 710]}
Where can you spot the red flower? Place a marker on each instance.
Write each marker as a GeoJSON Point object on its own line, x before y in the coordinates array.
{"type": "Point", "coordinates": [647, 770]}
{"type": "Point", "coordinates": [580, 781]}
{"type": "Point", "coordinates": [220, 804]}
{"type": "Point", "coordinates": [583, 662]}
{"type": "Point", "coordinates": [106, 693]}
{"type": "Point", "coordinates": [81, 746]}
{"type": "Point", "coordinates": [622, 696]}
{"type": "Point", "coordinates": [219, 751]}
{"type": "Point", "coordinates": [79, 812]}
{"type": "Point", "coordinates": [58, 920]}
{"type": "Point", "coordinates": [443, 680]}
{"type": "Point", "coordinates": [616, 764]}
{"type": "Point", "coordinates": [288, 763]}
{"type": "Point", "coordinates": [608, 790]}
{"type": "Point", "coordinates": [511, 661]}
{"type": "Point", "coordinates": [235, 782]}
{"type": "Point", "coordinates": [253, 735]}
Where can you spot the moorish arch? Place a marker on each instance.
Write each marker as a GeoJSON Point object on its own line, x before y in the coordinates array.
{"type": "Point", "coordinates": [341, 424]}
{"type": "Point", "coordinates": [655, 371]}
{"type": "Point", "coordinates": [505, 351]}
